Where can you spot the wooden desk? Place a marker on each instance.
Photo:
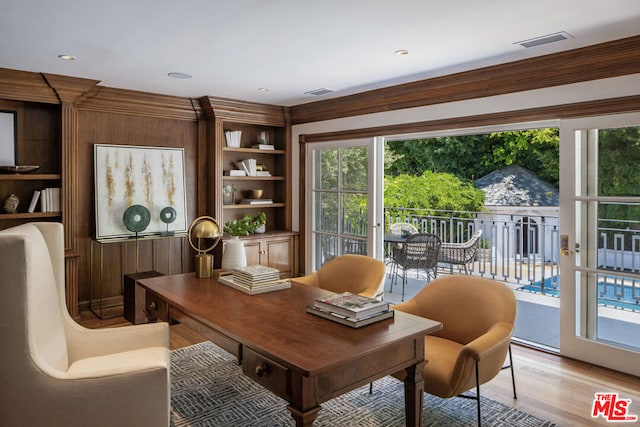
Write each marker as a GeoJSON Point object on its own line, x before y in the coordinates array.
{"type": "Point", "coordinates": [300, 357]}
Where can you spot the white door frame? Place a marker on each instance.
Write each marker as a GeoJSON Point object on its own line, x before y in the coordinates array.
{"type": "Point", "coordinates": [573, 324]}
{"type": "Point", "coordinates": [375, 230]}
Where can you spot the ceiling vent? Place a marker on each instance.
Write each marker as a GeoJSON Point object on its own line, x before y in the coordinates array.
{"type": "Point", "coordinates": [549, 38]}
{"type": "Point", "coordinates": [318, 92]}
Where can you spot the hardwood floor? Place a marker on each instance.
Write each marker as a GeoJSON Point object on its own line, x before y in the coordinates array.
{"type": "Point", "coordinates": [550, 387]}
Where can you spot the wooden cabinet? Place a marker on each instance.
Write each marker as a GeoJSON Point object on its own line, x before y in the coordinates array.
{"type": "Point", "coordinates": [274, 249]}
{"type": "Point", "coordinates": [112, 260]}
{"type": "Point", "coordinates": [38, 143]}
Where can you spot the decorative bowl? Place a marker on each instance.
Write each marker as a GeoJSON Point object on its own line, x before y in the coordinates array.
{"type": "Point", "coordinates": [255, 194]}
{"type": "Point", "coordinates": [18, 169]}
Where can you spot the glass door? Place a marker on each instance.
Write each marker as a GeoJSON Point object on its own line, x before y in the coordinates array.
{"type": "Point", "coordinates": [341, 196]}
{"type": "Point", "coordinates": [600, 320]}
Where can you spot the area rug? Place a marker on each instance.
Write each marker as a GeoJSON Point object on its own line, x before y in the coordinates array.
{"type": "Point", "coordinates": [209, 389]}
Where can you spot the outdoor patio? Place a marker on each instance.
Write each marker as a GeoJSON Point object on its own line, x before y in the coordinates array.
{"type": "Point", "coordinates": [538, 318]}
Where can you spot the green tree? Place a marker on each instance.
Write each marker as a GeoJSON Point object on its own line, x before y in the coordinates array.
{"type": "Point", "coordinates": [470, 157]}
{"type": "Point", "coordinates": [431, 191]}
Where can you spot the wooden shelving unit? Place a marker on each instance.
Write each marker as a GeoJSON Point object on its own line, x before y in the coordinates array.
{"type": "Point", "coordinates": [251, 119]}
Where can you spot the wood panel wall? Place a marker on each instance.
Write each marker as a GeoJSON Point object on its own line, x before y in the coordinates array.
{"type": "Point", "coordinates": [131, 118]}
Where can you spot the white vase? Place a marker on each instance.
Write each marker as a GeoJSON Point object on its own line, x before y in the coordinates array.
{"type": "Point", "coordinates": [260, 229]}
{"type": "Point", "coordinates": [233, 255]}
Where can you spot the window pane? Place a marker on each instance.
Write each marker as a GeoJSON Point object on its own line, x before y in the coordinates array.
{"type": "Point", "coordinates": [354, 214]}
{"type": "Point", "coordinates": [619, 236]}
{"type": "Point", "coordinates": [328, 170]}
{"type": "Point", "coordinates": [355, 162]}
{"type": "Point", "coordinates": [326, 212]}
{"type": "Point", "coordinates": [618, 160]}
{"type": "Point", "coordinates": [326, 248]}
{"type": "Point", "coordinates": [618, 304]}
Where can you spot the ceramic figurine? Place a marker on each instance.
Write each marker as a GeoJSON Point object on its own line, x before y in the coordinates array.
{"type": "Point", "coordinates": [11, 204]}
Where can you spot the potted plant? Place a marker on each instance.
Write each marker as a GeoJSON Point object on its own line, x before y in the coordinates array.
{"type": "Point", "coordinates": [259, 223]}
{"type": "Point", "coordinates": [239, 227]}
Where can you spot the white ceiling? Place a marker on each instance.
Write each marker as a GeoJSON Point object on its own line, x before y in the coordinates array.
{"type": "Point", "coordinates": [234, 48]}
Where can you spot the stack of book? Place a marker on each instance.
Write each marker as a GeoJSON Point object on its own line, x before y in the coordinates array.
{"type": "Point", "coordinates": [233, 138]}
{"type": "Point", "coordinates": [256, 201]}
{"type": "Point", "coordinates": [49, 199]}
{"type": "Point", "coordinates": [255, 279]}
{"type": "Point", "coordinates": [263, 147]}
{"type": "Point", "coordinates": [255, 275]}
{"type": "Point", "coordinates": [351, 309]}
{"type": "Point", "coordinates": [249, 166]}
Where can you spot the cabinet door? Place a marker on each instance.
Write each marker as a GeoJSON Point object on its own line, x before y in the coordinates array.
{"type": "Point", "coordinates": [278, 254]}
{"type": "Point", "coordinates": [252, 249]}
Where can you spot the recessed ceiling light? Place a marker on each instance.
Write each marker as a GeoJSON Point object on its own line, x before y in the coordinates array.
{"type": "Point", "coordinates": [67, 57]}
{"type": "Point", "coordinates": [401, 52]}
{"type": "Point", "coordinates": [263, 89]}
{"type": "Point", "coordinates": [179, 75]}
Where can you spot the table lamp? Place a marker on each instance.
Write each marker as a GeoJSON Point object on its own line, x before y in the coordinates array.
{"type": "Point", "coordinates": [202, 229]}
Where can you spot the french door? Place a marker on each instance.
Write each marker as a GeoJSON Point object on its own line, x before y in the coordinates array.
{"type": "Point", "coordinates": [344, 203]}
{"type": "Point", "coordinates": [600, 214]}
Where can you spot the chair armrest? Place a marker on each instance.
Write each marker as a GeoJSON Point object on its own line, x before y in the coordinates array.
{"type": "Point", "coordinates": [120, 363]}
{"type": "Point", "coordinates": [309, 280]}
{"type": "Point", "coordinates": [495, 339]}
{"type": "Point", "coordinates": [84, 343]}
{"type": "Point", "coordinates": [410, 306]}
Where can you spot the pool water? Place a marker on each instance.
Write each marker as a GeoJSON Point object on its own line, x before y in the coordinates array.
{"type": "Point", "coordinates": [609, 294]}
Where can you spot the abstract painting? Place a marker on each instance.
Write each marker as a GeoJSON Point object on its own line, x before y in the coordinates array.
{"type": "Point", "coordinates": [130, 175]}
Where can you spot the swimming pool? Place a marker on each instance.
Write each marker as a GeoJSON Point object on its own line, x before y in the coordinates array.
{"type": "Point", "coordinates": [610, 294]}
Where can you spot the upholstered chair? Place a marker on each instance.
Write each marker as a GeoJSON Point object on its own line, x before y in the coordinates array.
{"type": "Point", "coordinates": [358, 274]}
{"type": "Point", "coordinates": [53, 371]}
{"type": "Point", "coordinates": [478, 317]}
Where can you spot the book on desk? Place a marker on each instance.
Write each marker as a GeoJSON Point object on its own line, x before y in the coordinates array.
{"type": "Point", "coordinates": [254, 279]}
{"type": "Point", "coordinates": [350, 309]}
{"type": "Point", "coordinates": [351, 305]}
{"type": "Point", "coordinates": [350, 321]}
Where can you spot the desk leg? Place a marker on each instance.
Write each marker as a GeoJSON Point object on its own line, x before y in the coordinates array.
{"type": "Point", "coordinates": [304, 419]}
{"type": "Point", "coordinates": [413, 388]}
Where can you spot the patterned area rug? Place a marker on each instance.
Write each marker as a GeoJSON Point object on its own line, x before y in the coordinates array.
{"type": "Point", "coordinates": [209, 389]}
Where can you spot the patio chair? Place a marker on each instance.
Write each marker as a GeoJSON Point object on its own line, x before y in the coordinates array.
{"type": "Point", "coordinates": [402, 229]}
{"type": "Point", "coordinates": [461, 254]}
{"type": "Point", "coordinates": [419, 251]}
{"type": "Point", "coordinates": [398, 230]}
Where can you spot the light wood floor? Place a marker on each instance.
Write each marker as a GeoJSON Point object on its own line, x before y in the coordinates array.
{"type": "Point", "coordinates": [551, 387]}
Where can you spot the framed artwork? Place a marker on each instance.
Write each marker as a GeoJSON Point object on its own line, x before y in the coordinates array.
{"type": "Point", "coordinates": [139, 182]}
{"type": "Point", "coordinates": [8, 138]}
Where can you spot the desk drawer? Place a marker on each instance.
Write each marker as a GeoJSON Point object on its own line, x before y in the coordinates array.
{"type": "Point", "coordinates": [209, 333]}
{"type": "Point", "coordinates": [156, 308]}
{"type": "Point", "coordinates": [266, 372]}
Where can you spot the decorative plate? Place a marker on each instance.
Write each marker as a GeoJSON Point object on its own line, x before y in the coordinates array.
{"type": "Point", "coordinates": [136, 218]}
{"type": "Point", "coordinates": [168, 215]}
{"type": "Point", "coordinates": [18, 169]}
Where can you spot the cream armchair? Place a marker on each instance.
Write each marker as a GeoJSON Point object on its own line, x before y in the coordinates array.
{"type": "Point", "coordinates": [357, 274]}
{"type": "Point", "coordinates": [478, 317]}
{"type": "Point", "coordinates": [55, 372]}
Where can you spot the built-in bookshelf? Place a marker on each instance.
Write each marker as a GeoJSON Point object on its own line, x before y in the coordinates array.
{"type": "Point", "coordinates": [257, 124]}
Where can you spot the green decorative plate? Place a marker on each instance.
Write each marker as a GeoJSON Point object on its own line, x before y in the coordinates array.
{"type": "Point", "coordinates": [168, 215]}
{"type": "Point", "coordinates": [136, 218]}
